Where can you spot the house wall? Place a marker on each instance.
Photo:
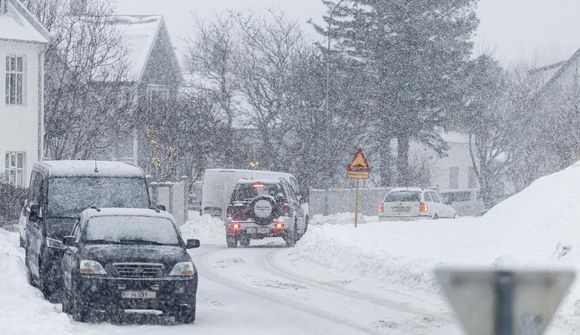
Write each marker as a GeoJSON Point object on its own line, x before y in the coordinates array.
{"type": "Point", "coordinates": [458, 156]}
{"type": "Point", "coordinates": [20, 125]}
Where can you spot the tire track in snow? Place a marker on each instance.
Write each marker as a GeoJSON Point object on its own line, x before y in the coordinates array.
{"type": "Point", "coordinates": [336, 289]}
{"type": "Point", "coordinates": [202, 261]}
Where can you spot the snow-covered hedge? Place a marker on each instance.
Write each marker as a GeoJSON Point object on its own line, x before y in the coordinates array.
{"type": "Point", "coordinates": [10, 203]}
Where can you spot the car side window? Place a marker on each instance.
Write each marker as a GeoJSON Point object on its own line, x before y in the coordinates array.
{"type": "Point", "coordinates": [435, 197]}
{"type": "Point", "coordinates": [427, 197]}
{"type": "Point", "coordinates": [289, 191]}
{"type": "Point", "coordinates": [76, 230]}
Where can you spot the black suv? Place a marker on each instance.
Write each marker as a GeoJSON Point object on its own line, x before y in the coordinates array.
{"type": "Point", "coordinates": [264, 208]}
{"type": "Point", "coordinates": [128, 261]}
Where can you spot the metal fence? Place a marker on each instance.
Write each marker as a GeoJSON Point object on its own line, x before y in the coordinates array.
{"type": "Point", "coordinates": [332, 201]}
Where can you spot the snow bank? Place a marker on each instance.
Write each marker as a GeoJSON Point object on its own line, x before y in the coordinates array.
{"type": "Point", "coordinates": [21, 303]}
{"type": "Point", "coordinates": [539, 227]}
{"type": "Point", "coordinates": [206, 228]}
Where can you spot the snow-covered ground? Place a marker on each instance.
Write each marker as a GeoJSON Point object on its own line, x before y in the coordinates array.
{"type": "Point", "coordinates": [374, 279]}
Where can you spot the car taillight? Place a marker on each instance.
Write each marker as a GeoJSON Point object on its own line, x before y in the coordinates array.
{"type": "Point", "coordinates": [279, 225]}
{"type": "Point", "coordinates": [235, 226]}
{"type": "Point", "coordinates": [382, 207]}
{"type": "Point", "coordinates": [423, 207]}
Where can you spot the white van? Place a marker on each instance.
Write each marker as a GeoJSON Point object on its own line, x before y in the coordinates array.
{"type": "Point", "coordinates": [218, 184]}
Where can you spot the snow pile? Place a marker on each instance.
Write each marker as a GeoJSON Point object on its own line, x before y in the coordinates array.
{"type": "Point", "coordinates": [208, 229]}
{"type": "Point", "coordinates": [21, 303]}
{"type": "Point", "coordinates": [539, 227]}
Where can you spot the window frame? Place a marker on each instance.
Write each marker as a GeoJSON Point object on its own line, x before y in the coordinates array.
{"type": "Point", "coordinates": [15, 96]}
{"type": "Point", "coordinates": [18, 181]}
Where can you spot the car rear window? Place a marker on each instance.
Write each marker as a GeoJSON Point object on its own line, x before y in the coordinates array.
{"type": "Point", "coordinates": [403, 196]}
{"type": "Point", "coordinates": [248, 191]}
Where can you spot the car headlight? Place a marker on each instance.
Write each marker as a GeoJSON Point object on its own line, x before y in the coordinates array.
{"type": "Point", "coordinates": [54, 243]}
{"type": "Point", "coordinates": [184, 269]}
{"type": "Point", "coordinates": [91, 268]}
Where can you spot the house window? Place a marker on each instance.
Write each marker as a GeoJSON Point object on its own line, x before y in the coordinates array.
{"type": "Point", "coordinates": [14, 168]}
{"type": "Point", "coordinates": [454, 177]}
{"type": "Point", "coordinates": [14, 80]}
{"type": "Point", "coordinates": [472, 179]}
{"type": "Point", "coordinates": [156, 93]}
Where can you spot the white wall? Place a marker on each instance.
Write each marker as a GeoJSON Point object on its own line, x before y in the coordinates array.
{"type": "Point", "coordinates": [19, 124]}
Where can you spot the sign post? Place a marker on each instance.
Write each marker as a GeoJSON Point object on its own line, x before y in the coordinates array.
{"type": "Point", "coordinates": [504, 302]}
{"type": "Point", "coordinates": [358, 169]}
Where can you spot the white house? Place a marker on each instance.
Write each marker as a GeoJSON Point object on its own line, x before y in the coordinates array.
{"type": "Point", "coordinates": [22, 44]}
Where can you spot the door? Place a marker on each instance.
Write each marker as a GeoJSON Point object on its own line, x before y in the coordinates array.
{"type": "Point", "coordinates": [69, 259]}
{"type": "Point", "coordinates": [292, 200]}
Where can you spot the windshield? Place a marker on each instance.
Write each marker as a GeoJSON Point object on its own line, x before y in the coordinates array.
{"type": "Point", "coordinates": [131, 230]}
{"type": "Point", "coordinates": [244, 192]}
{"type": "Point", "coordinates": [67, 197]}
{"type": "Point", "coordinates": [403, 196]}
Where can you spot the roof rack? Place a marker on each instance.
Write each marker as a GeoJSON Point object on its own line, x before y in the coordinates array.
{"type": "Point", "coordinates": [95, 208]}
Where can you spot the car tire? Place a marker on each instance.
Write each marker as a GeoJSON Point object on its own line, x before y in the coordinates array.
{"type": "Point", "coordinates": [186, 316]}
{"type": "Point", "coordinates": [65, 300]}
{"type": "Point", "coordinates": [29, 277]}
{"type": "Point", "coordinates": [290, 239]}
{"type": "Point", "coordinates": [79, 313]}
{"type": "Point", "coordinates": [44, 283]}
{"type": "Point", "coordinates": [231, 241]}
{"type": "Point", "coordinates": [244, 242]}
{"type": "Point", "coordinates": [435, 217]}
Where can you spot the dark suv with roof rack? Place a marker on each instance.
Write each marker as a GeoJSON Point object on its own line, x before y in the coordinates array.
{"type": "Point", "coordinates": [264, 208]}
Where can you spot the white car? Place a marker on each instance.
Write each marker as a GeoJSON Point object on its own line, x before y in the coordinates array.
{"type": "Point", "coordinates": [405, 204]}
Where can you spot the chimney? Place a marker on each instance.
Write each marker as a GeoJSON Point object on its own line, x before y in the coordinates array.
{"type": "Point", "coordinates": [77, 7]}
{"type": "Point", "coordinates": [3, 7]}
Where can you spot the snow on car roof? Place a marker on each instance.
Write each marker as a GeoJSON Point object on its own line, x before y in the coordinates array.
{"type": "Point", "coordinates": [415, 189]}
{"type": "Point", "coordinates": [72, 168]}
{"type": "Point", "coordinates": [258, 180]}
{"type": "Point", "coordinates": [95, 212]}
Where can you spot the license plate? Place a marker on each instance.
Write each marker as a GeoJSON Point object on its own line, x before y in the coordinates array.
{"type": "Point", "coordinates": [399, 209]}
{"type": "Point", "coordinates": [251, 230]}
{"type": "Point", "coordinates": [138, 295]}
{"type": "Point", "coordinates": [263, 230]}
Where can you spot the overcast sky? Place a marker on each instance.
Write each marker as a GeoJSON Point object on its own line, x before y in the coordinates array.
{"type": "Point", "coordinates": [539, 31]}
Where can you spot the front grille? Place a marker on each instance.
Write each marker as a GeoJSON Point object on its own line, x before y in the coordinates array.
{"type": "Point", "coordinates": [138, 270]}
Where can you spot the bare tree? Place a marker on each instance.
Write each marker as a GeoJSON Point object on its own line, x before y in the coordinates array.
{"type": "Point", "coordinates": [89, 101]}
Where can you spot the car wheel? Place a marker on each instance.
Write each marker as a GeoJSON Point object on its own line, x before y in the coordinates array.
{"type": "Point", "coordinates": [290, 238]}
{"type": "Point", "coordinates": [435, 217]}
{"type": "Point", "coordinates": [186, 316]}
{"type": "Point", "coordinates": [79, 313]}
{"type": "Point", "coordinates": [244, 242]}
{"type": "Point", "coordinates": [44, 283]}
{"type": "Point", "coordinates": [65, 301]}
{"type": "Point", "coordinates": [232, 241]}
{"type": "Point", "coordinates": [29, 277]}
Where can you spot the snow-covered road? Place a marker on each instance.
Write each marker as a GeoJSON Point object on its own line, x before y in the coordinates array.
{"type": "Point", "coordinates": [298, 295]}
{"type": "Point", "coordinates": [264, 289]}
{"type": "Point", "coordinates": [375, 279]}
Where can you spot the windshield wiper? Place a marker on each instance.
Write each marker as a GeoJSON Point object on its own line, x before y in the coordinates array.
{"type": "Point", "coordinates": [139, 241]}
{"type": "Point", "coordinates": [102, 242]}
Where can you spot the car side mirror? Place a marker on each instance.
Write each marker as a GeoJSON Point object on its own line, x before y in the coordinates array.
{"type": "Point", "coordinates": [35, 213]}
{"type": "Point", "coordinates": [192, 244]}
{"type": "Point", "coordinates": [69, 241]}
{"type": "Point", "coordinates": [162, 208]}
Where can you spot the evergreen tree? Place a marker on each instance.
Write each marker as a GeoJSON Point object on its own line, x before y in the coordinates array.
{"type": "Point", "coordinates": [414, 53]}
